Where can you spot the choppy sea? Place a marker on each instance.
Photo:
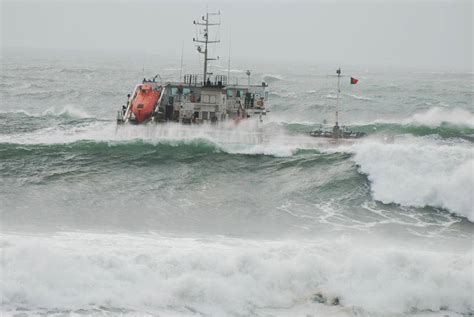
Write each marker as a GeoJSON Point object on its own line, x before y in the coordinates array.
{"type": "Point", "coordinates": [255, 219]}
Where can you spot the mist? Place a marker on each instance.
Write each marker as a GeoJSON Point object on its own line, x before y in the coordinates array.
{"type": "Point", "coordinates": [424, 34]}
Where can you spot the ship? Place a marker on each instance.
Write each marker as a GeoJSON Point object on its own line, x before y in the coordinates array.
{"type": "Point", "coordinates": [196, 98]}
{"type": "Point", "coordinates": [337, 132]}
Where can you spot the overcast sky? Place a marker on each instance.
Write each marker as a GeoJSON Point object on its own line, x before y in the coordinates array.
{"type": "Point", "coordinates": [428, 34]}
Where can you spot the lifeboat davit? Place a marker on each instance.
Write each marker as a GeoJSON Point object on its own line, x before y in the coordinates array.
{"type": "Point", "coordinates": [144, 103]}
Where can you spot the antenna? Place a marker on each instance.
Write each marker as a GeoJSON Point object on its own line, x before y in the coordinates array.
{"type": "Point", "coordinates": [143, 64]}
{"type": "Point", "coordinates": [181, 68]}
{"type": "Point", "coordinates": [228, 62]}
{"type": "Point", "coordinates": [206, 24]}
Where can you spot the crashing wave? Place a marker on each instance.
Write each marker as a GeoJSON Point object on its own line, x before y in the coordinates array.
{"type": "Point", "coordinates": [434, 117]}
{"type": "Point", "coordinates": [69, 111]}
{"type": "Point", "coordinates": [419, 173]}
{"type": "Point", "coordinates": [89, 271]}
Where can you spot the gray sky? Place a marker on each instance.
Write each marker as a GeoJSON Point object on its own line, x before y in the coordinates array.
{"type": "Point", "coordinates": [425, 34]}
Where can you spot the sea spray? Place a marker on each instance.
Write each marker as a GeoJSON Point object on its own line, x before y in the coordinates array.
{"type": "Point", "coordinates": [223, 276]}
{"type": "Point", "coordinates": [419, 172]}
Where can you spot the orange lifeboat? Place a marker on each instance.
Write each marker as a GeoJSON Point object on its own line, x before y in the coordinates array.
{"type": "Point", "coordinates": [144, 103]}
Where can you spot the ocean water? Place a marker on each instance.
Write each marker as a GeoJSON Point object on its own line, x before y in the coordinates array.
{"type": "Point", "coordinates": [257, 219]}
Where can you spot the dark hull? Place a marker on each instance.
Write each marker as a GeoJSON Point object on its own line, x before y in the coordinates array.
{"type": "Point", "coordinates": [340, 135]}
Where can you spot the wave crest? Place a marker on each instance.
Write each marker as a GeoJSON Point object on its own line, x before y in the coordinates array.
{"type": "Point", "coordinates": [436, 116]}
{"type": "Point", "coordinates": [222, 276]}
{"type": "Point", "coordinates": [69, 111]}
{"type": "Point", "coordinates": [414, 173]}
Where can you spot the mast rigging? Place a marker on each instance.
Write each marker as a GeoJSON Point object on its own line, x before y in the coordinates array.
{"type": "Point", "coordinates": [206, 40]}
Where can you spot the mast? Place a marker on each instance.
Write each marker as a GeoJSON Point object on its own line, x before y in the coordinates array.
{"type": "Point", "coordinates": [338, 71]}
{"type": "Point", "coordinates": [228, 62]}
{"type": "Point", "coordinates": [181, 68]}
{"type": "Point", "coordinates": [205, 22]}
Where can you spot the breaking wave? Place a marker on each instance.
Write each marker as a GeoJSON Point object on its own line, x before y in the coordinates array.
{"type": "Point", "coordinates": [226, 277]}
{"type": "Point", "coordinates": [444, 131]}
{"type": "Point", "coordinates": [436, 117]}
{"type": "Point", "coordinates": [413, 171]}
{"type": "Point", "coordinates": [114, 150]}
{"type": "Point", "coordinates": [245, 138]}
{"type": "Point", "coordinates": [419, 173]}
{"type": "Point", "coordinates": [69, 111]}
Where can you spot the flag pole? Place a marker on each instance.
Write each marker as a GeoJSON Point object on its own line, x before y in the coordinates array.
{"type": "Point", "coordinates": [338, 92]}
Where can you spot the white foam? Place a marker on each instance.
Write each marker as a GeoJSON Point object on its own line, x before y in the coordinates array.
{"type": "Point", "coordinates": [221, 276]}
{"type": "Point", "coordinates": [70, 110]}
{"type": "Point", "coordinates": [247, 137]}
{"type": "Point", "coordinates": [419, 172]}
{"type": "Point", "coordinates": [412, 172]}
{"type": "Point", "coordinates": [73, 111]}
{"type": "Point", "coordinates": [332, 96]}
{"type": "Point", "coordinates": [359, 97]}
{"type": "Point", "coordinates": [434, 117]}
{"type": "Point", "coordinates": [285, 94]}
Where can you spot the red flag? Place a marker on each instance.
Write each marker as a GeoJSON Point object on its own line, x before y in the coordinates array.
{"type": "Point", "coordinates": [354, 81]}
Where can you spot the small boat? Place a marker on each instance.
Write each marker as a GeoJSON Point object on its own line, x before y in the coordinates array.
{"type": "Point", "coordinates": [337, 132]}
